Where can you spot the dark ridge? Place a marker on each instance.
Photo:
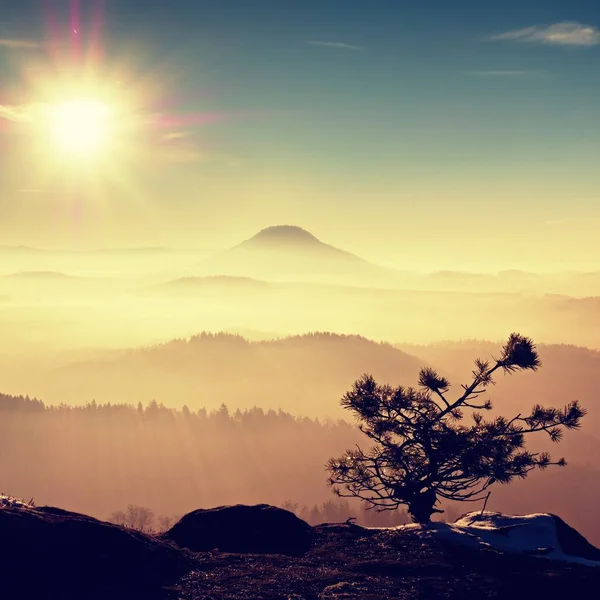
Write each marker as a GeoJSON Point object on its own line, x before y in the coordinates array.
{"type": "Point", "coordinates": [214, 279]}
{"type": "Point", "coordinates": [517, 273]}
{"type": "Point", "coordinates": [38, 274]}
{"type": "Point", "coordinates": [306, 338]}
{"type": "Point", "coordinates": [284, 234]}
{"type": "Point", "coordinates": [293, 238]}
{"type": "Point", "coordinates": [453, 274]}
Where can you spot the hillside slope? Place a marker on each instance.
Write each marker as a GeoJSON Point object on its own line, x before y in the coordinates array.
{"type": "Point", "coordinates": [290, 253]}
{"type": "Point", "coordinates": [305, 374]}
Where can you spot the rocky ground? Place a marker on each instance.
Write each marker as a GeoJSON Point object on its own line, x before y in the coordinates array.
{"type": "Point", "coordinates": [350, 562]}
{"type": "Point", "coordinates": [51, 554]}
{"type": "Point", "coordinates": [47, 553]}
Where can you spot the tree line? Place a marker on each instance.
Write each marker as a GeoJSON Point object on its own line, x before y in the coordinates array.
{"type": "Point", "coordinates": [144, 519]}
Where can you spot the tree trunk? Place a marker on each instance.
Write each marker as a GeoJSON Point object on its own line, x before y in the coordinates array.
{"type": "Point", "coordinates": [420, 514]}
{"type": "Point", "coordinates": [421, 507]}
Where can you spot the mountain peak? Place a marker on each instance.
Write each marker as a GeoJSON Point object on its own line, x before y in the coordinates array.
{"type": "Point", "coordinates": [290, 253]}
{"type": "Point", "coordinates": [284, 234]}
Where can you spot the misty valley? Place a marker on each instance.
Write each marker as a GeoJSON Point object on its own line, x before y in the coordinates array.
{"type": "Point", "coordinates": [201, 385]}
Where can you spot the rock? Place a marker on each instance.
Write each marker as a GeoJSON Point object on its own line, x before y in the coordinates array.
{"type": "Point", "coordinates": [53, 553]}
{"type": "Point", "coordinates": [541, 534]}
{"type": "Point", "coordinates": [573, 543]}
{"type": "Point", "coordinates": [259, 529]}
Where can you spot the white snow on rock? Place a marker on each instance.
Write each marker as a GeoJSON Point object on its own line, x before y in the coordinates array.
{"type": "Point", "coordinates": [543, 535]}
{"type": "Point", "coordinates": [10, 502]}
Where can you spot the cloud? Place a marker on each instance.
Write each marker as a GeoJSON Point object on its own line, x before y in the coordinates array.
{"type": "Point", "coordinates": [567, 33]}
{"type": "Point", "coordinates": [17, 114]}
{"type": "Point", "coordinates": [194, 153]}
{"type": "Point", "coordinates": [182, 146]}
{"type": "Point", "coordinates": [6, 112]}
{"type": "Point", "coordinates": [505, 73]}
{"type": "Point", "coordinates": [335, 45]}
{"type": "Point", "coordinates": [571, 220]}
{"type": "Point", "coordinates": [176, 135]}
{"type": "Point", "coordinates": [185, 154]}
{"type": "Point", "coordinates": [22, 113]}
{"type": "Point", "coordinates": [23, 44]}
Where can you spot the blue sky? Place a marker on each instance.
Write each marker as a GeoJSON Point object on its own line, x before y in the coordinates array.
{"type": "Point", "coordinates": [345, 115]}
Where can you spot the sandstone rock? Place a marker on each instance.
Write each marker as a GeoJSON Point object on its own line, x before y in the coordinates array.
{"type": "Point", "coordinates": [67, 554]}
{"type": "Point", "coordinates": [261, 529]}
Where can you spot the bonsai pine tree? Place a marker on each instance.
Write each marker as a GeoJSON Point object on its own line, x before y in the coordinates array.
{"type": "Point", "coordinates": [424, 449]}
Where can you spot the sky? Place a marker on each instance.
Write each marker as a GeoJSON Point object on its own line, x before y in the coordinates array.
{"type": "Point", "coordinates": [426, 133]}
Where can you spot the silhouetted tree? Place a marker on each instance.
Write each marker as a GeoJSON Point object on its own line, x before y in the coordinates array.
{"type": "Point", "coordinates": [314, 516]}
{"type": "Point", "coordinates": [291, 506]}
{"type": "Point", "coordinates": [423, 453]}
{"type": "Point", "coordinates": [21, 403]}
{"type": "Point", "coordinates": [118, 518]}
{"type": "Point", "coordinates": [164, 522]}
{"type": "Point", "coordinates": [135, 517]}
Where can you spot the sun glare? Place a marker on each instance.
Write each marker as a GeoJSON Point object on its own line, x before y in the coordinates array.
{"type": "Point", "coordinates": [80, 127]}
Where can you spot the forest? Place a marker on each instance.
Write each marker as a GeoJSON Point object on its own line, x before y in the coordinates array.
{"type": "Point", "coordinates": [100, 458]}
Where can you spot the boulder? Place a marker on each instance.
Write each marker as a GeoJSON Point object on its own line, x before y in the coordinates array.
{"type": "Point", "coordinates": [259, 529]}
{"type": "Point", "coordinates": [62, 554]}
{"type": "Point", "coordinates": [540, 534]}
{"type": "Point", "coordinates": [572, 543]}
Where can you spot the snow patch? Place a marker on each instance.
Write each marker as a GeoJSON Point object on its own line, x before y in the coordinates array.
{"type": "Point", "coordinates": [10, 502]}
{"type": "Point", "coordinates": [535, 535]}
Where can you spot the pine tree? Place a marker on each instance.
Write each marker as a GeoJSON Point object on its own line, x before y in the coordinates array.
{"type": "Point", "coordinates": [424, 452]}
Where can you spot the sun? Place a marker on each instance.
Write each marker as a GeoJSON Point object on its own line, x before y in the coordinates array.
{"type": "Point", "coordinates": [80, 127]}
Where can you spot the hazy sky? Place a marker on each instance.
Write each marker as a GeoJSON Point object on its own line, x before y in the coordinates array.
{"type": "Point", "coordinates": [427, 132]}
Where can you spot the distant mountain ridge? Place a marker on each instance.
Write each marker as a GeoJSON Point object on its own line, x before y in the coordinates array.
{"type": "Point", "coordinates": [289, 252]}
{"type": "Point", "coordinates": [87, 251]}
{"type": "Point", "coordinates": [315, 370]}
{"type": "Point", "coordinates": [283, 233]}
{"type": "Point", "coordinates": [291, 237]}
{"type": "Point", "coordinates": [37, 275]}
